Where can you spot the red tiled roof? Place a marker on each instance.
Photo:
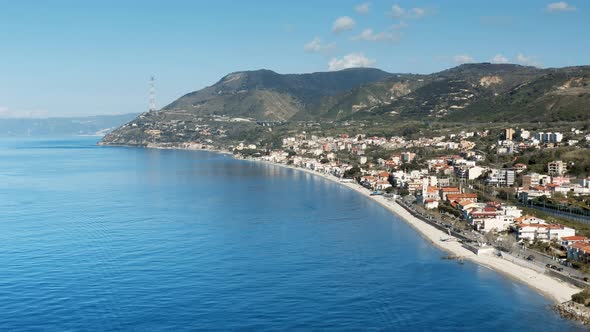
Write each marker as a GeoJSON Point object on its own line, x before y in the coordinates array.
{"type": "Point", "coordinates": [459, 196]}
{"type": "Point", "coordinates": [575, 238]}
{"type": "Point", "coordinates": [449, 189]}
{"type": "Point", "coordinates": [585, 247]}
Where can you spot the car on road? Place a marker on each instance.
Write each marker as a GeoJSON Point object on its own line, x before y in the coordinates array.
{"type": "Point", "coordinates": [554, 267]}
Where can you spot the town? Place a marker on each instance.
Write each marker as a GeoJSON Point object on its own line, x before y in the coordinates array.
{"type": "Point", "coordinates": [540, 213]}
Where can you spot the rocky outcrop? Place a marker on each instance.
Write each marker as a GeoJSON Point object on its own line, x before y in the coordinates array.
{"type": "Point", "coordinates": [574, 311]}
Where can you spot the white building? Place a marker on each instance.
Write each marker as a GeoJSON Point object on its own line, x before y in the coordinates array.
{"type": "Point", "coordinates": [531, 228]}
{"type": "Point", "coordinates": [549, 137]}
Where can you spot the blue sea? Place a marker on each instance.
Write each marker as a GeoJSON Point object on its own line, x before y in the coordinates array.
{"type": "Point", "coordinates": [116, 239]}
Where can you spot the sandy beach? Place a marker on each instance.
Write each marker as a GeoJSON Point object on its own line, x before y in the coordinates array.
{"type": "Point", "coordinates": [555, 289]}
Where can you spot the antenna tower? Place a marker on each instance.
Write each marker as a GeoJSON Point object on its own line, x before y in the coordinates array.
{"type": "Point", "coordinates": [152, 97]}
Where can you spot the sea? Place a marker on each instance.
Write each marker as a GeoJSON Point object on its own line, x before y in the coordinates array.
{"type": "Point", "coordinates": [97, 238]}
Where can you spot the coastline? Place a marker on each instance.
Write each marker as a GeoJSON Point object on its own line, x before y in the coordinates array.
{"type": "Point", "coordinates": [556, 290]}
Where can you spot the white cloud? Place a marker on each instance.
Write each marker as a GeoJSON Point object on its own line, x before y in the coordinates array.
{"type": "Point", "coordinates": [363, 8]}
{"type": "Point", "coordinates": [316, 45]}
{"type": "Point", "coordinates": [499, 58]}
{"type": "Point", "coordinates": [418, 12]}
{"type": "Point", "coordinates": [370, 35]}
{"type": "Point", "coordinates": [343, 23]}
{"type": "Point", "coordinates": [463, 58]}
{"type": "Point", "coordinates": [527, 60]}
{"type": "Point", "coordinates": [399, 26]}
{"type": "Point", "coordinates": [397, 11]}
{"type": "Point", "coordinates": [352, 60]}
{"type": "Point", "coordinates": [560, 6]}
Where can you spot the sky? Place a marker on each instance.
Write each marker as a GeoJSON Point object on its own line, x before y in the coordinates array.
{"type": "Point", "coordinates": [79, 58]}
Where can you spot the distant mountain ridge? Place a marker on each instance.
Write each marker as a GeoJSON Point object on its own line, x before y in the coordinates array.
{"type": "Point", "coordinates": [89, 125]}
{"type": "Point", "coordinates": [473, 92]}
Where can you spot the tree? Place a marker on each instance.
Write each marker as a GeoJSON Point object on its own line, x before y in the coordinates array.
{"type": "Point", "coordinates": [403, 192]}
{"type": "Point", "coordinates": [507, 242]}
{"type": "Point", "coordinates": [354, 172]}
{"type": "Point", "coordinates": [490, 237]}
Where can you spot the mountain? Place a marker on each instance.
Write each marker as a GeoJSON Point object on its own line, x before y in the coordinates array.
{"type": "Point", "coordinates": [561, 94]}
{"type": "Point", "coordinates": [476, 93]}
{"type": "Point", "coordinates": [91, 125]}
{"type": "Point", "coordinates": [486, 92]}
{"type": "Point", "coordinates": [266, 95]}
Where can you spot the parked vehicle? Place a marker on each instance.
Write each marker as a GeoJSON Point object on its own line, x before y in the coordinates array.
{"type": "Point", "coordinates": [554, 267]}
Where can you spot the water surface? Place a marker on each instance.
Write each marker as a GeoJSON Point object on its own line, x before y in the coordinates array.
{"type": "Point", "coordinates": [105, 238]}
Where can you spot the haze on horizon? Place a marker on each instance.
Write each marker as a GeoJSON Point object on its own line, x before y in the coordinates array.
{"type": "Point", "coordinates": [72, 58]}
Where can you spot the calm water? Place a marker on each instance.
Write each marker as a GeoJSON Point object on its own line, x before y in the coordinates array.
{"type": "Point", "coordinates": [100, 238]}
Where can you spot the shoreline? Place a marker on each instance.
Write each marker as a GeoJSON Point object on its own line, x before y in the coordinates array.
{"type": "Point", "coordinates": [556, 290]}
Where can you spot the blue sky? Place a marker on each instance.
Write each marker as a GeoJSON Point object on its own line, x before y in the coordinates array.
{"type": "Point", "coordinates": [65, 58]}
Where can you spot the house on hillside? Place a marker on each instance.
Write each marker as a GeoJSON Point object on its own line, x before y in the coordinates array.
{"type": "Point", "coordinates": [531, 228]}
{"type": "Point", "coordinates": [579, 252]}
{"type": "Point", "coordinates": [444, 191]}
{"type": "Point", "coordinates": [462, 197]}
{"type": "Point", "coordinates": [567, 241]}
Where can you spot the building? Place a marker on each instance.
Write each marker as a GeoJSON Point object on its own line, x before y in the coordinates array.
{"type": "Point", "coordinates": [569, 240]}
{"type": "Point", "coordinates": [468, 172]}
{"type": "Point", "coordinates": [407, 157]}
{"type": "Point", "coordinates": [556, 168]}
{"type": "Point", "coordinates": [549, 137]}
{"type": "Point", "coordinates": [502, 178]}
{"type": "Point", "coordinates": [444, 191]}
{"type": "Point", "coordinates": [382, 185]}
{"type": "Point", "coordinates": [508, 134]}
{"type": "Point", "coordinates": [472, 197]}
{"type": "Point", "coordinates": [531, 228]}
{"type": "Point", "coordinates": [560, 180]}
{"type": "Point", "coordinates": [530, 180]}
{"type": "Point", "coordinates": [475, 172]}
{"type": "Point", "coordinates": [520, 167]}
{"type": "Point", "coordinates": [527, 195]}
{"type": "Point", "coordinates": [491, 216]}
{"type": "Point", "coordinates": [579, 251]}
